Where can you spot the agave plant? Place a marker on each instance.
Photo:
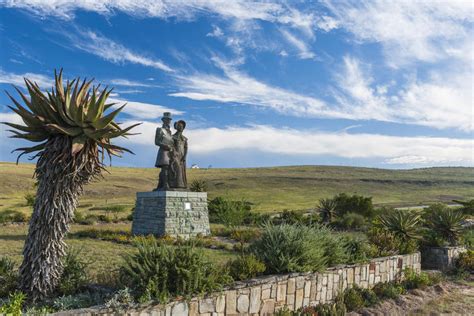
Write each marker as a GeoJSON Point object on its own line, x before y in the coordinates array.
{"type": "Point", "coordinates": [403, 224]}
{"type": "Point", "coordinates": [74, 134]}
{"type": "Point", "coordinates": [446, 223]}
{"type": "Point", "coordinates": [326, 209]}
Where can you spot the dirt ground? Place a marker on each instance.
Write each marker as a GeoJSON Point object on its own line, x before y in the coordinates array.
{"type": "Point", "coordinates": [447, 298]}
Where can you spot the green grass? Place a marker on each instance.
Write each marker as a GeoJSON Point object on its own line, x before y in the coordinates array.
{"type": "Point", "coordinates": [270, 189]}
{"type": "Point", "coordinates": [105, 255]}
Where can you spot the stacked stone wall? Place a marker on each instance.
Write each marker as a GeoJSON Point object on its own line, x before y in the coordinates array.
{"type": "Point", "coordinates": [266, 295]}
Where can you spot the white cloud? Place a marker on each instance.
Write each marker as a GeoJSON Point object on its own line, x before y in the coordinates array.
{"type": "Point", "coordinates": [140, 110]}
{"type": "Point", "coordinates": [17, 79]}
{"type": "Point", "coordinates": [440, 101]}
{"type": "Point", "coordinates": [408, 30]}
{"type": "Point", "coordinates": [274, 12]}
{"type": "Point", "coordinates": [114, 52]}
{"type": "Point", "coordinates": [302, 47]}
{"type": "Point", "coordinates": [216, 32]}
{"type": "Point", "coordinates": [388, 149]}
{"type": "Point", "coordinates": [129, 83]}
{"type": "Point", "coordinates": [240, 88]}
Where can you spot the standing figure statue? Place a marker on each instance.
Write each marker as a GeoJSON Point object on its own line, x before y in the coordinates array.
{"type": "Point", "coordinates": [177, 173]}
{"type": "Point", "coordinates": [164, 139]}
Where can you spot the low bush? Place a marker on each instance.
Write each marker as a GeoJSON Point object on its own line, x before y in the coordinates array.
{"type": "Point", "coordinates": [74, 277]}
{"type": "Point", "coordinates": [228, 212]}
{"type": "Point", "coordinates": [356, 298]}
{"type": "Point", "coordinates": [359, 250]}
{"type": "Point", "coordinates": [290, 248]}
{"type": "Point", "coordinates": [198, 185]}
{"type": "Point", "coordinates": [246, 267]}
{"type": "Point", "coordinates": [14, 304]}
{"type": "Point", "coordinates": [465, 261]}
{"type": "Point", "coordinates": [81, 300]}
{"type": "Point", "coordinates": [104, 218]}
{"type": "Point", "coordinates": [118, 236]}
{"type": "Point", "coordinates": [8, 277]}
{"type": "Point", "coordinates": [352, 221]}
{"type": "Point", "coordinates": [467, 207]}
{"type": "Point", "coordinates": [388, 290]}
{"type": "Point", "coordinates": [334, 246]}
{"type": "Point", "coordinates": [158, 271]}
{"type": "Point", "coordinates": [388, 244]}
{"type": "Point", "coordinates": [30, 199]}
{"type": "Point", "coordinates": [358, 204]}
{"type": "Point", "coordinates": [413, 280]}
{"type": "Point", "coordinates": [245, 235]}
{"type": "Point", "coordinates": [12, 216]}
{"type": "Point", "coordinates": [120, 301]}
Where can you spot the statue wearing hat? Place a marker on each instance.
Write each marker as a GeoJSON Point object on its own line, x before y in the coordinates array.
{"type": "Point", "coordinates": [171, 157]}
{"type": "Point", "coordinates": [164, 140]}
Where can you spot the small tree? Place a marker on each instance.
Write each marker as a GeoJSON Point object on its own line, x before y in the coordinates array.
{"type": "Point", "coordinates": [353, 204]}
{"type": "Point", "coordinates": [74, 134]}
{"type": "Point", "coordinates": [327, 210]}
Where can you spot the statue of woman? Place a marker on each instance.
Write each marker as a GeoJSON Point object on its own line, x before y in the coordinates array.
{"type": "Point", "coordinates": [177, 177]}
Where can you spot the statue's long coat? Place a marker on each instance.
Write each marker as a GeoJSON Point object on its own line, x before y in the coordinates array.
{"type": "Point", "coordinates": [163, 137]}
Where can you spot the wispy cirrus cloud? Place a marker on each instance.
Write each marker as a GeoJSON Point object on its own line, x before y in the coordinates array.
{"type": "Point", "coordinates": [112, 51]}
{"type": "Point", "coordinates": [18, 79]}
{"type": "Point", "coordinates": [415, 150]}
{"type": "Point", "coordinates": [409, 30]}
{"type": "Point", "coordinates": [304, 50]}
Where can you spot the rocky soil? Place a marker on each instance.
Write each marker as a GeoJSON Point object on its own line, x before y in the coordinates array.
{"type": "Point", "coordinates": [447, 298]}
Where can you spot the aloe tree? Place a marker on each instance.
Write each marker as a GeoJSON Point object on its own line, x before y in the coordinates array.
{"type": "Point", "coordinates": [446, 223]}
{"type": "Point", "coordinates": [74, 134]}
{"type": "Point", "coordinates": [403, 224]}
{"type": "Point", "coordinates": [326, 209]}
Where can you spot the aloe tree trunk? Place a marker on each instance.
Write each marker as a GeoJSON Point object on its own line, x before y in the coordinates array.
{"type": "Point", "coordinates": [61, 177]}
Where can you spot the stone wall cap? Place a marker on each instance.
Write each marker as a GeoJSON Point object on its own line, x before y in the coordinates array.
{"type": "Point", "coordinates": [185, 194]}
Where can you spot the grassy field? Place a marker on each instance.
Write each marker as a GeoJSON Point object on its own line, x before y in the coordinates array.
{"type": "Point", "coordinates": [269, 189]}
{"type": "Point", "coordinates": [105, 255]}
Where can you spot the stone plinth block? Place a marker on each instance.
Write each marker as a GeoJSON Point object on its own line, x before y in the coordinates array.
{"type": "Point", "coordinates": [172, 213]}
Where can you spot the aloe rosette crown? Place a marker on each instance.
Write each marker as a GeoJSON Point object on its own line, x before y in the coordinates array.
{"type": "Point", "coordinates": [73, 110]}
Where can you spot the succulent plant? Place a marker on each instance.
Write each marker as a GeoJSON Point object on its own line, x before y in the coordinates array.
{"type": "Point", "coordinates": [74, 133]}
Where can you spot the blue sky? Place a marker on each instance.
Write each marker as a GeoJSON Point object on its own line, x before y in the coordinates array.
{"type": "Point", "coordinates": [364, 83]}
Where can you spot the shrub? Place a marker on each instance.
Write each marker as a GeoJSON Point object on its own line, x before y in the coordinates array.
{"type": "Point", "coordinates": [444, 225]}
{"type": "Point", "coordinates": [157, 271]}
{"type": "Point", "coordinates": [246, 267]}
{"type": "Point", "coordinates": [352, 221]}
{"type": "Point", "coordinates": [338, 308]}
{"type": "Point", "coordinates": [290, 248]}
{"type": "Point", "coordinates": [413, 280]}
{"type": "Point", "coordinates": [30, 199]}
{"type": "Point", "coordinates": [291, 217]}
{"type": "Point", "coordinates": [465, 261]}
{"type": "Point", "coordinates": [198, 186]}
{"type": "Point", "coordinates": [353, 204]}
{"type": "Point", "coordinates": [388, 290]}
{"type": "Point", "coordinates": [355, 298]}
{"type": "Point", "coordinates": [104, 218]}
{"type": "Point", "coordinates": [359, 250]}
{"type": "Point", "coordinates": [74, 276]}
{"type": "Point", "coordinates": [11, 216]}
{"type": "Point", "coordinates": [334, 246]}
{"type": "Point", "coordinates": [80, 300]}
{"type": "Point", "coordinates": [8, 276]}
{"type": "Point", "coordinates": [467, 206]}
{"type": "Point", "coordinates": [120, 301]}
{"type": "Point", "coordinates": [385, 242]}
{"type": "Point", "coordinates": [327, 210]}
{"type": "Point", "coordinates": [228, 212]}
{"type": "Point", "coordinates": [245, 235]}
{"type": "Point", "coordinates": [14, 305]}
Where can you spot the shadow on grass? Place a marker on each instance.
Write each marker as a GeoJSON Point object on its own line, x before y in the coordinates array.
{"type": "Point", "coordinates": [12, 237]}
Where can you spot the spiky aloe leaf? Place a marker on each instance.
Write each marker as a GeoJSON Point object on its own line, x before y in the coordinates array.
{"type": "Point", "coordinates": [74, 110]}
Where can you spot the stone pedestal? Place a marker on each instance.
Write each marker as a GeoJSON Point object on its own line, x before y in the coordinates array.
{"type": "Point", "coordinates": [172, 213]}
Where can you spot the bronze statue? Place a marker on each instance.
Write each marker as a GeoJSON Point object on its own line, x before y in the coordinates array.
{"type": "Point", "coordinates": [164, 139]}
{"type": "Point", "coordinates": [177, 173]}
{"type": "Point", "coordinates": [171, 155]}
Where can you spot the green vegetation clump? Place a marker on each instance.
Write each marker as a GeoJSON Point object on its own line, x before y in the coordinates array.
{"type": "Point", "coordinates": [291, 248]}
{"type": "Point", "coordinates": [30, 199]}
{"type": "Point", "coordinates": [352, 221]}
{"type": "Point", "coordinates": [246, 267]}
{"type": "Point", "coordinates": [157, 271]}
{"type": "Point", "coordinates": [465, 261]}
{"type": "Point", "coordinates": [228, 212]}
{"type": "Point", "coordinates": [356, 298]}
{"type": "Point", "coordinates": [389, 290]}
{"type": "Point", "coordinates": [198, 185]}
{"type": "Point", "coordinates": [414, 280]}
{"type": "Point", "coordinates": [14, 304]}
{"type": "Point", "coordinates": [358, 204]}
{"type": "Point", "coordinates": [11, 216]}
{"type": "Point", "coordinates": [467, 207]}
{"type": "Point", "coordinates": [74, 277]}
{"type": "Point", "coordinates": [8, 277]}
{"type": "Point", "coordinates": [443, 225]}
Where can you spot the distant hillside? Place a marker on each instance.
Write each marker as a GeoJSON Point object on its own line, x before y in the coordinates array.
{"type": "Point", "coordinates": [269, 189]}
